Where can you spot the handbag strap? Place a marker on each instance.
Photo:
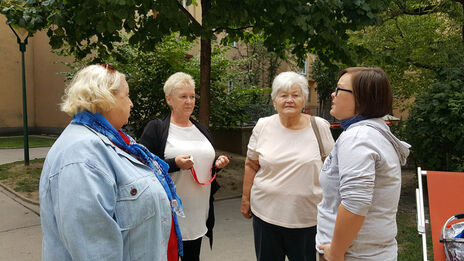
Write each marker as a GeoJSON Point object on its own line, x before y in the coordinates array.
{"type": "Point", "coordinates": [318, 137]}
{"type": "Point", "coordinates": [194, 174]}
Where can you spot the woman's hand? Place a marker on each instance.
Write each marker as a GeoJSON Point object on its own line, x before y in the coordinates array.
{"type": "Point", "coordinates": [184, 162]}
{"type": "Point", "coordinates": [251, 167]}
{"type": "Point", "coordinates": [245, 208]}
{"type": "Point", "coordinates": [347, 226]}
{"type": "Point", "coordinates": [221, 162]}
{"type": "Point", "coordinates": [328, 254]}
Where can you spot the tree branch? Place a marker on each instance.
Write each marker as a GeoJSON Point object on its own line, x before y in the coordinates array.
{"type": "Point", "coordinates": [399, 29]}
{"type": "Point", "coordinates": [421, 10]}
{"type": "Point", "coordinates": [187, 13]}
{"type": "Point", "coordinates": [421, 65]}
{"type": "Point", "coordinates": [233, 29]}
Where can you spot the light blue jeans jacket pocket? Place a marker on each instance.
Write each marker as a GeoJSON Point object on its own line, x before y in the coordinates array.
{"type": "Point", "coordinates": [136, 209]}
{"type": "Point", "coordinates": [134, 204]}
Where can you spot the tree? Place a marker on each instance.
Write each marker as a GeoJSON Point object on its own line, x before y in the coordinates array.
{"type": "Point", "coordinates": [452, 8]}
{"type": "Point", "coordinates": [414, 41]}
{"type": "Point", "coordinates": [229, 101]}
{"type": "Point", "coordinates": [146, 72]}
{"type": "Point", "coordinates": [95, 27]}
{"type": "Point", "coordinates": [326, 79]}
{"type": "Point", "coordinates": [435, 127]}
{"type": "Point", "coordinates": [262, 64]}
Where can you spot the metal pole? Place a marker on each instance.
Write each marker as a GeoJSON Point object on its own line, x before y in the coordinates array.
{"type": "Point", "coordinates": [22, 48]}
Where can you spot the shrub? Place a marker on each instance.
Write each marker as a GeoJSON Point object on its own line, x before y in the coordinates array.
{"type": "Point", "coordinates": [435, 127]}
{"type": "Point", "coordinates": [147, 71]}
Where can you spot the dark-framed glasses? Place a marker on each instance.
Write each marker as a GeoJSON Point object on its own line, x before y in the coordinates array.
{"type": "Point", "coordinates": [341, 89]}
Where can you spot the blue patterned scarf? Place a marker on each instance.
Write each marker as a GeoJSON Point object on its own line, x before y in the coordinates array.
{"type": "Point", "coordinates": [346, 123]}
{"type": "Point", "coordinates": [99, 123]}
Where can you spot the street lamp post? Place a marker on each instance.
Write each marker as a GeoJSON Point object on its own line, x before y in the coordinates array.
{"type": "Point", "coordinates": [22, 48]}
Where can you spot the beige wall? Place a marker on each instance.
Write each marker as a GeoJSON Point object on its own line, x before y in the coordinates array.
{"type": "Point", "coordinates": [49, 85]}
{"type": "Point", "coordinates": [44, 85]}
{"type": "Point", "coordinates": [195, 11]}
{"type": "Point", "coordinates": [10, 75]}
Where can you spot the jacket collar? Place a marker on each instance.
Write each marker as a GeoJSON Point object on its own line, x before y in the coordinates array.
{"type": "Point", "coordinates": [119, 151]}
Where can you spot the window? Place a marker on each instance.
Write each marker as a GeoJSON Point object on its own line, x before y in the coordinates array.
{"type": "Point", "coordinates": [303, 69]}
{"type": "Point", "coordinates": [230, 84]}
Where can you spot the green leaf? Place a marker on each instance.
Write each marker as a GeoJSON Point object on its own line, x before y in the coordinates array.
{"type": "Point", "coordinates": [281, 10]}
{"type": "Point", "coordinates": [101, 28]}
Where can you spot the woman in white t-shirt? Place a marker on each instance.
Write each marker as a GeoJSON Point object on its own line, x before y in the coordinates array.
{"type": "Point", "coordinates": [186, 146]}
{"type": "Point", "coordinates": [281, 184]}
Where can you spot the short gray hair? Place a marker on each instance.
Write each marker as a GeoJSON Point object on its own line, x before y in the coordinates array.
{"type": "Point", "coordinates": [178, 80]}
{"type": "Point", "coordinates": [285, 80]}
{"type": "Point", "coordinates": [93, 89]}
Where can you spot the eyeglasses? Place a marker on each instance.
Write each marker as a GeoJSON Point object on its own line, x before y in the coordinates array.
{"type": "Point", "coordinates": [341, 89]}
{"type": "Point", "coordinates": [109, 67]}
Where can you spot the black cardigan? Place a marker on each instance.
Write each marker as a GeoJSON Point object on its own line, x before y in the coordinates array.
{"type": "Point", "coordinates": [154, 137]}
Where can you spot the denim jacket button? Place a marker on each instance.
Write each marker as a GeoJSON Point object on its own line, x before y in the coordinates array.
{"type": "Point", "coordinates": [133, 191]}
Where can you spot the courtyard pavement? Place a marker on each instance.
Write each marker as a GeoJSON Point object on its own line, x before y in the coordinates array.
{"type": "Point", "coordinates": [12, 155]}
{"type": "Point", "coordinates": [21, 235]}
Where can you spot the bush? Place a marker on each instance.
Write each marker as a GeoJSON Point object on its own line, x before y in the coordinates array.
{"type": "Point", "coordinates": [147, 71]}
{"type": "Point", "coordinates": [326, 78]}
{"type": "Point", "coordinates": [435, 127]}
{"type": "Point", "coordinates": [229, 93]}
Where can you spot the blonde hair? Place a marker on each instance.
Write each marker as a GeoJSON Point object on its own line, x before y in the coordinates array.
{"type": "Point", "coordinates": [93, 89]}
{"type": "Point", "coordinates": [178, 80]}
{"type": "Point", "coordinates": [285, 80]}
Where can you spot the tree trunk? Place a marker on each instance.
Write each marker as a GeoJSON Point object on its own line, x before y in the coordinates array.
{"type": "Point", "coordinates": [205, 78]}
{"type": "Point", "coordinates": [205, 70]}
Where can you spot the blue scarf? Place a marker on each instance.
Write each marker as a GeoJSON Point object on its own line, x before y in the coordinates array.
{"type": "Point", "coordinates": [99, 123]}
{"type": "Point", "coordinates": [346, 123]}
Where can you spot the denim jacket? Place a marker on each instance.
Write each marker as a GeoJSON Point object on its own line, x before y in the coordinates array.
{"type": "Point", "coordinates": [99, 203]}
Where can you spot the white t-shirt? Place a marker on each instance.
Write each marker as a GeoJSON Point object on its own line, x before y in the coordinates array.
{"type": "Point", "coordinates": [195, 197]}
{"type": "Point", "coordinates": [286, 190]}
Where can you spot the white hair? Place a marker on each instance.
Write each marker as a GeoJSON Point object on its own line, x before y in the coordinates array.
{"type": "Point", "coordinates": [93, 89]}
{"type": "Point", "coordinates": [178, 80]}
{"type": "Point", "coordinates": [285, 80]}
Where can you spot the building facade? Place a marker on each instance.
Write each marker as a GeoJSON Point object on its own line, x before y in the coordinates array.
{"type": "Point", "coordinates": [44, 85]}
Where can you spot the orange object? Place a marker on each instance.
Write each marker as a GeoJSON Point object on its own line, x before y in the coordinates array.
{"type": "Point", "coordinates": [446, 199]}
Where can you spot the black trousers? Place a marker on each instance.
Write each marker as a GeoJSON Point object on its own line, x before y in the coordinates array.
{"type": "Point", "coordinates": [273, 243]}
{"type": "Point", "coordinates": [191, 250]}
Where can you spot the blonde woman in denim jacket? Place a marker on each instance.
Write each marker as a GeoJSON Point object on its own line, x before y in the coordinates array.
{"type": "Point", "coordinates": [103, 196]}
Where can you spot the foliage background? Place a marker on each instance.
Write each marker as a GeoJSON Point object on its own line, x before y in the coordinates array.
{"type": "Point", "coordinates": [232, 93]}
{"type": "Point", "coordinates": [435, 127]}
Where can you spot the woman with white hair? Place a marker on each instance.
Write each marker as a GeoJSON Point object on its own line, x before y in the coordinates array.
{"type": "Point", "coordinates": [186, 146]}
{"type": "Point", "coordinates": [103, 196]}
{"type": "Point", "coordinates": [281, 184]}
